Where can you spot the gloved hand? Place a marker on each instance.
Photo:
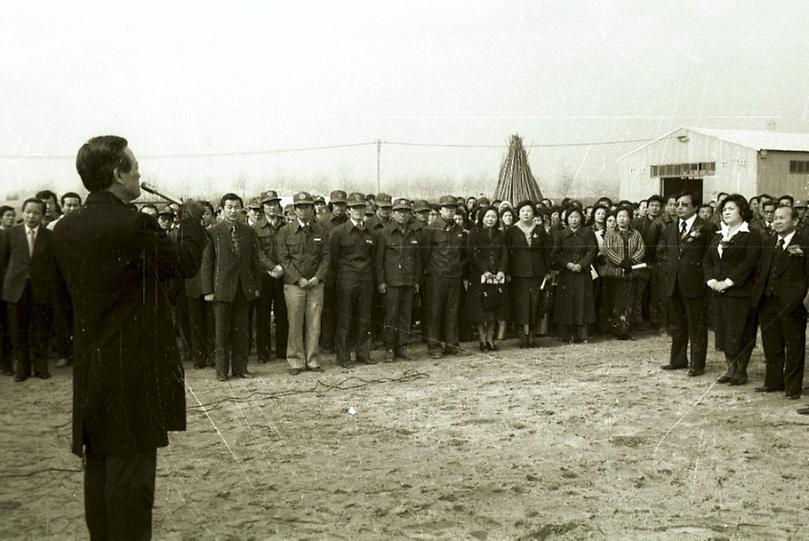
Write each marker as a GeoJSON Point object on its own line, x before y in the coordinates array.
{"type": "Point", "coordinates": [626, 264]}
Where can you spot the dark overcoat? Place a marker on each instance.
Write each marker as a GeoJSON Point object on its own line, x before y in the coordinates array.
{"type": "Point", "coordinates": [574, 303]}
{"type": "Point", "coordinates": [128, 380]}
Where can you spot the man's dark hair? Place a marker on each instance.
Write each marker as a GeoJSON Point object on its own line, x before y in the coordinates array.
{"type": "Point", "coordinates": [69, 194]}
{"type": "Point", "coordinates": [230, 197]}
{"type": "Point", "coordinates": [38, 201]}
{"type": "Point", "coordinates": [98, 159]}
{"type": "Point", "coordinates": [657, 198]}
{"type": "Point", "coordinates": [769, 203]}
{"type": "Point", "coordinates": [4, 209]}
{"type": "Point", "coordinates": [207, 204]}
{"type": "Point", "coordinates": [788, 198]}
{"type": "Point", "coordinates": [45, 195]}
{"type": "Point", "coordinates": [687, 193]}
{"type": "Point", "coordinates": [791, 210]}
{"type": "Point", "coordinates": [706, 206]}
{"type": "Point", "coordinates": [763, 196]}
{"type": "Point", "coordinates": [754, 198]}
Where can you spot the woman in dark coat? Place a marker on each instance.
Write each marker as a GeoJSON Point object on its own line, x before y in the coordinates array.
{"type": "Point", "coordinates": [573, 254]}
{"type": "Point", "coordinates": [729, 265]}
{"type": "Point", "coordinates": [488, 260]}
{"type": "Point", "coordinates": [529, 263]}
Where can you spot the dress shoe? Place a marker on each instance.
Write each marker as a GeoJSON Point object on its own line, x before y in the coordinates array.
{"type": "Point", "coordinates": [295, 371]}
{"type": "Point", "coordinates": [221, 378]}
{"type": "Point", "coordinates": [724, 378]}
{"type": "Point", "coordinates": [347, 366]}
{"type": "Point", "coordinates": [245, 375]}
{"type": "Point", "coordinates": [369, 360]}
{"type": "Point", "coordinates": [767, 389]}
{"type": "Point", "coordinates": [401, 353]}
{"type": "Point", "coordinates": [435, 354]}
{"type": "Point", "coordinates": [484, 347]}
{"type": "Point", "coordinates": [493, 347]}
{"type": "Point", "coordinates": [20, 377]}
{"type": "Point", "coordinates": [314, 369]}
{"type": "Point", "coordinates": [738, 381]}
{"type": "Point", "coordinates": [794, 396]}
{"type": "Point", "coordinates": [674, 367]}
{"type": "Point", "coordinates": [694, 373]}
{"type": "Point", "coordinates": [43, 375]}
{"type": "Point", "coordinates": [802, 411]}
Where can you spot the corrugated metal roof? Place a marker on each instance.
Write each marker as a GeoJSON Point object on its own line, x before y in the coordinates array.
{"type": "Point", "coordinates": [758, 140]}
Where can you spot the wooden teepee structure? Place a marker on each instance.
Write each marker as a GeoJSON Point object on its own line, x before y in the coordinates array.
{"type": "Point", "coordinates": [516, 183]}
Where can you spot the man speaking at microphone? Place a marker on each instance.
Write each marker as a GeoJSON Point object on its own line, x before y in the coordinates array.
{"type": "Point", "coordinates": [128, 381]}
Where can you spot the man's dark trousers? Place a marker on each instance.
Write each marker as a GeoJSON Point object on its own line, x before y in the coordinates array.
{"type": "Point", "coordinates": [119, 495]}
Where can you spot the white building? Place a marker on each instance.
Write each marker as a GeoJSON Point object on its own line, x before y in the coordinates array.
{"type": "Point", "coordinates": [708, 161]}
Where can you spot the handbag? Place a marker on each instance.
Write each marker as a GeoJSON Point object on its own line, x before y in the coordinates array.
{"type": "Point", "coordinates": [492, 296]}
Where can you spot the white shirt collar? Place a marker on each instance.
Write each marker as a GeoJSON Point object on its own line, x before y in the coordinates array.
{"type": "Point", "coordinates": [689, 223]}
{"type": "Point", "coordinates": [744, 228]}
{"type": "Point", "coordinates": [788, 238]}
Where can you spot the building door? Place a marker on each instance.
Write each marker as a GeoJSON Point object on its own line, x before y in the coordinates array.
{"type": "Point", "coordinates": [673, 185]}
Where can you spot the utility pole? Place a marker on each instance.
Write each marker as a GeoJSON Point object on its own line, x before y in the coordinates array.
{"type": "Point", "coordinates": [378, 165]}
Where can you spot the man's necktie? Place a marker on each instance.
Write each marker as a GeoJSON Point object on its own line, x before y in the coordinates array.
{"type": "Point", "coordinates": [31, 240]}
{"type": "Point", "coordinates": [234, 239]}
{"type": "Point", "coordinates": [682, 228]}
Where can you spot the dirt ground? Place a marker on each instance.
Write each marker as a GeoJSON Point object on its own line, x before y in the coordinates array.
{"type": "Point", "coordinates": [588, 441]}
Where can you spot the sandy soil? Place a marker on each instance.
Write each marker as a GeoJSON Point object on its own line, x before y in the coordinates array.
{"type": "Point", "coordinates": [563, 442]}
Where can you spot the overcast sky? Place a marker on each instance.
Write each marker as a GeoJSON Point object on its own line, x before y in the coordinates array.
{"type": "Point", "coordinates": [219, 77]}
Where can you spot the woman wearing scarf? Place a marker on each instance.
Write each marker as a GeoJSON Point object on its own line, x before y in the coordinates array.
{"type": "Point", "coordinates": [529, 263]}
{"type": "Point", "coordinates": [729, 266]}
{"type": "Point", "coordinates": [574, 252]}
{"type": "Point", "coordinates": [623, 248]}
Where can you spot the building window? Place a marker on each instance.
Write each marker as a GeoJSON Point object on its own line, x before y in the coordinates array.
{"type": "Point", "coordinates": [799, 167]}
{"type": "Point", "coordinates": [687, 170]}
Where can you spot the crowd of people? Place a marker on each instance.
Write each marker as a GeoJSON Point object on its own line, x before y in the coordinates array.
{"type": "Point", "coordinates": [358, 272]}
{"type": "Point", "coordinates": [122, 289]}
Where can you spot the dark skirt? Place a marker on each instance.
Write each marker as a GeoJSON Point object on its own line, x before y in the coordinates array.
{"type": "Point", "coordinates": [474, 312]}
{"type": "Point", "coordinates": [526, 300]}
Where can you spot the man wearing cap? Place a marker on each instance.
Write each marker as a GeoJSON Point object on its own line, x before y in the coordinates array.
{"type": "Point", "coordinates": [381, 218]}
{"type": "Point", "coordinates": [253, 210]}
{"type": "Point", "coordinates": [231, 272]}
{"type": "Point", "coordinates": [444, 256]}
{"type": "Point", "coordinates": [271, 301]}
{"type": "Point", "coordinates": [398, 270]}
{"type": "Point", "coordinates": [334, 216]}
{"type": "Point", "coordinates": [303, 251]}
{"type": "Point", "coordinates": [420, 220]}
{"type": "Point", "coordinates": [352, 248]}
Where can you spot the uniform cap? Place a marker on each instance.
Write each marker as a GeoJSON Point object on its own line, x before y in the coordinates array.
{"type": "Point", "coordinates": [420, 205]}
{"type": "Point", "coordinates": [302, 198]}
{"type": "Point", "coordinates": [401, 204]}
{"type": "Point", "coordinates": [383, 200]}
{"type": "Point", "coordinates": [446, 201]}
{"type": "Point", "coordinates": [337, 196]}
{"type": "Point", "coordinates": [269, 196]}
{"type": "Point", "coordinates": [356, 199]}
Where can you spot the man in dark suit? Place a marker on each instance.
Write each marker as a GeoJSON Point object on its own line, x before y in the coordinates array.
{"type": "Point", "coordinates": [128, 381]}
{"type": "Point", "coordinates": [685, 241]}
{"type": "Point", "coordinates": [231, 274]}
{"type": "Point", "coordinates": [781, 284]}
{"type": "Point", "coordinates": [27, 267]}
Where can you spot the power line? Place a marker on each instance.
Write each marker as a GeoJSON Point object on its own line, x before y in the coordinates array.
{"type": "Point", "coordinates": [378, 143]}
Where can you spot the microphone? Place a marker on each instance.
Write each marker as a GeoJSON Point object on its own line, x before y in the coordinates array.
{"type": "Point", "coordinates": [145, 186]}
